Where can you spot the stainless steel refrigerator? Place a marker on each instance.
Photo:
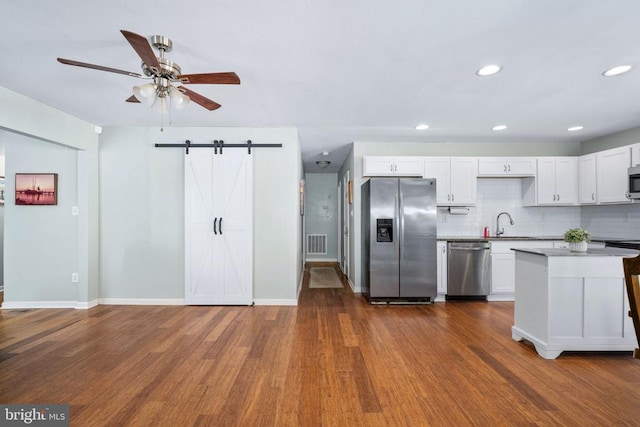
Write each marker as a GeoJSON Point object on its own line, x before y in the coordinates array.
{"type": "Point", "coordinates": [399, 235]}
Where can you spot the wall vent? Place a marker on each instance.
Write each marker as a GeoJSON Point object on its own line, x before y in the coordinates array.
{"type": "Point", "coordinates": [316, 244]}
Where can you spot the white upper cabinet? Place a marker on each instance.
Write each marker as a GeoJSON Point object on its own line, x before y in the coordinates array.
{"type": "Point", "coordinates": [393, 166]}
{"type": "Point", "coordinates": [587, 179]}
{"type": "Point", "coordinates": [556, 182]}
{"type": "Point", "coordinates": [613, 175]}
{"type": "Point", "coordinates": [506, 166]}
{"type": "Point", "coordinates": [635, 154]}
{"type": "Point", "coordinates": [455, 179]}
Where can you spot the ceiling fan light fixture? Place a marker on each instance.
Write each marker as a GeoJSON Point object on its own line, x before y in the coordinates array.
{"type": "Point", "coordinates": [160, 105]}
{"type": "Point", "coordinates": [323, 163]}
{"type": "Point", "coordinates": [178, 99]}
{"type": "Point", "coordinates": [145, 93]}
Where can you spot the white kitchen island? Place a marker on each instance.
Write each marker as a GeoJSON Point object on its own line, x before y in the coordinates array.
{"type": "Point", "coordinates": [567, 301]}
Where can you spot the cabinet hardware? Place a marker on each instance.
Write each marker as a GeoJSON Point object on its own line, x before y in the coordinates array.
{"type": "Point", "coordinates": [215, 223]}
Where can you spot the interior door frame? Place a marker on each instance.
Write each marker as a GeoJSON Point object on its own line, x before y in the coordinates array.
{"type": "Point", "coordinates": [345, 224]}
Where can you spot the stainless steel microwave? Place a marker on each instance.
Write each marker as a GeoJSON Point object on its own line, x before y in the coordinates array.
{"type": "Point", "coordinates": [634, 182]}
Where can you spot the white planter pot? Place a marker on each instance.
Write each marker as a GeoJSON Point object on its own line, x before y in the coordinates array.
{"type": "Point", "coordinates": [578, 246]}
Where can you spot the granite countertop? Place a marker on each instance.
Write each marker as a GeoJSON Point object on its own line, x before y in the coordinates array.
{"type": "Point", "coordinates": [595, 252]}
{"type": "Point", "coordinates": [600, 239]}
{"type": "Point", "coordinates": [505, 238]}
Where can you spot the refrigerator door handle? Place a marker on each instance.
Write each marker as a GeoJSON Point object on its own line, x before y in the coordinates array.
{"type": "Point", "coordinates": [397, 225]}
{"type": "Point", "coordinates": [401, 222]}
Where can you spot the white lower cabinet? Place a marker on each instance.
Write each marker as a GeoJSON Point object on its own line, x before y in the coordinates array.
{"type": "Point", "coordinates": [503, 266]}
{"type": "Point", "coordinates": [442, 269]}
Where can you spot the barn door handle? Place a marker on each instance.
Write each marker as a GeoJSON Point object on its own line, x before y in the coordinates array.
{"type": "Point", "coordinates": [220, 226]}
{"type": "Point", "coordinates": [215, 223]}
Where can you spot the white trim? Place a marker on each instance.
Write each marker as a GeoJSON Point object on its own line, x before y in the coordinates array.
{"type": "Point", "coordinates": [321, 260]}
{"type": "Point", "coordinates": [275, 302]}
{"type": "Point", "coordinates": [13, 305]}
{"type": "Point", "coordinates": [501, 297]}
{"type": "Point", "coordinates": [87, 305]}
{"type": "Point", "coordinates": [140, 301]}
{"type": "Point", "coordinates": [2, 288]}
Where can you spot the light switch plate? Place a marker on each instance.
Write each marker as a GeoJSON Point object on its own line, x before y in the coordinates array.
{"type": "Point", "coordinates": [74, 210]}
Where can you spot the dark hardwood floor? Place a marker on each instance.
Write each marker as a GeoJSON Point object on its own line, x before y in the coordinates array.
{"type": "Point", "coordinates": [334, 360]}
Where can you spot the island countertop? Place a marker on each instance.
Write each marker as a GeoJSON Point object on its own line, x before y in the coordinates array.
{"type": "Point", "coordinates": [591, 252]}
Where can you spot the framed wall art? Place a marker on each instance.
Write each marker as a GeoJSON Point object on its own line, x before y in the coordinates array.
{"type": "Point", "coordinates": [36, 189]}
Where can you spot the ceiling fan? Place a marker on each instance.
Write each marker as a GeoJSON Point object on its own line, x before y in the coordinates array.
{"type": "Point", "coordinates": [164, 74]}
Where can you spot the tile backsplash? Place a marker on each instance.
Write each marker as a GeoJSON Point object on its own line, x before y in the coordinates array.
{"type": "Point", "coordinates": [616, 221]}
{"type": "Point", "coordinates": [497, 195]}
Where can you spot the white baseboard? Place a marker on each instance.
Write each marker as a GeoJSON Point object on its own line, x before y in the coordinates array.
{"type": "Point", "coordinates": [321, 260]}
{"type": "Point", "coordinates": [13, 305]}
{"type": "Point", "coordinates": [501, 297]}
{"type": "Point", "coordinates": [140, 301]}
{"type": "Point", "coordinates": [275, 302]}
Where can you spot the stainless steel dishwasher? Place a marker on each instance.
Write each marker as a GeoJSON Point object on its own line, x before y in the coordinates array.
{"type": "Point", "coordinates": [468, 270]}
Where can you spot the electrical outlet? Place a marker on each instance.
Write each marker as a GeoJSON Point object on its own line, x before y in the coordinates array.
{"type": "Point", "coordinates": [74, 277]}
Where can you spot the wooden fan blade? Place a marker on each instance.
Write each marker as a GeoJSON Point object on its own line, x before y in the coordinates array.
{"type": "Point", "coordinates": [199, 99]}
{"type": "Point", "coordinates": [132, 98]}
{"type": "Point", "coordinates": [144, 50]}
{"type": "Point", "coordinates": [97, 67]}
{"type": "Point", "coordinates": [210, 78]}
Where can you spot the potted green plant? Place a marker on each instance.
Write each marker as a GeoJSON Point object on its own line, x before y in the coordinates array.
{"type": "Point", "coordinates": [577, 238]}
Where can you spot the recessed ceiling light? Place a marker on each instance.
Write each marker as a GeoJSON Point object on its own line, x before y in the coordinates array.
{"type": "Point", "coordinates": [489, 70]}
{"type": "Point", "coordinates": [616, 71]}
{"type": "Point", "coordinates": [499, 127]}
{"type": "Point", "coordinates": [575, 128]}
{"type": "Point", "coordinates": [422, 127]}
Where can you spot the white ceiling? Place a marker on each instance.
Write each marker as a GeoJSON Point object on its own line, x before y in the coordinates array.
{"type": "Point", "coordinates": [344, 71]}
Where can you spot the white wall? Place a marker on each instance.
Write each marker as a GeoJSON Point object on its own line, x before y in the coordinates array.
{"type": "Point", "coordinates": [42, 241]}
{"type": "Point", "coordinates": [23, 117]}
{"type": "Point", "coordinates": [321, 211]}
{"type": "Point", "coordinates": [142, 213]}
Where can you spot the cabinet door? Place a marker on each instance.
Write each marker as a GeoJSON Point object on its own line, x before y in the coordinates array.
{"type": "Point", "coordinates": [408, 166]}
{"type": "Point", "coordinates": [442, 268]}
{"type": "Point", "coordinates": [503, 273]}
{"type": "Point", "coordinates": [635, 155]}
{"type": "Point", "coordinates": [567, 180]}
{"type": "Point", "coordinates": [587, 179]}
{"type": "Point", "coordinates": [613, 175]}
{"type": "Point", "coordinates": [463, 181]}
{"type": "Point", "coordinates": [377, 166]}
{"type": "Point", "coordinates": [438, 168]}
{"type": "Point", "coordinates": [492, 166]}
{"type": "Point", "coordinates": [546, 181]}
{"type": "Point", "coordinates": [521, 166]}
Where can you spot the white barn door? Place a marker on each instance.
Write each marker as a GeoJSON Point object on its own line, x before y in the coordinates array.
{"type": "Point", "coordinates": [218, 228]}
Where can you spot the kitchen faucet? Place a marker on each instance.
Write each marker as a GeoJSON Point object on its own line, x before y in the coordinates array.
{"type": "Point", "coordinates": [499, 231]}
